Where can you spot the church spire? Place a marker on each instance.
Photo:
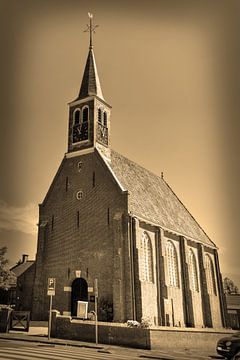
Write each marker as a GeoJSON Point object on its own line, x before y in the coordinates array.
{"type": "Point", "coordinates": [90, 81]}
{"type": "Point", "coordinates": [89, 114]}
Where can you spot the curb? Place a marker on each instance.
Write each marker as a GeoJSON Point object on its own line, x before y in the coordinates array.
{"type": "Point", "coordinates": [50, 342]}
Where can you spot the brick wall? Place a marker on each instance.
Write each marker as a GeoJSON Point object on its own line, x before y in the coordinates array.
{"type": "Point", "coordinates": [119, 334]}
{"type": "Point", "coordinates": [79, 234]}
{"type": "Point", "coordinates": [115, 334]}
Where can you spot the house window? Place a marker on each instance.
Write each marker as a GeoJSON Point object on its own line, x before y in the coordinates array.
{"type": "Point", "coordinates": [193, 273]}
{"type": "Point", "coordinates": [172, 263]}
{"type": "Point", "coordinates": [211, 284]}
{"type": "Point", "coordinates": [147, 258]}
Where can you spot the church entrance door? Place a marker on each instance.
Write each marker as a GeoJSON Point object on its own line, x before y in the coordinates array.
{"type": "Point", "coordinates": [79, 293]}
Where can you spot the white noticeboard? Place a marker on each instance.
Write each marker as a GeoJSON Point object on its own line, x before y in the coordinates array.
{"type": "Point", "coordinates": [78, 273]}
{"type": "Point", "coordinates": [82, 309]}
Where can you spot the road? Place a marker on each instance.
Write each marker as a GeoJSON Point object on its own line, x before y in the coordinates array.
{"type": "Point", "coordinates": [21, 350]}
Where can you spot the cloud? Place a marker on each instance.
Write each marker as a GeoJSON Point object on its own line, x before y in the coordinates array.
{"type": "Point", "coordinates": [22, 218]}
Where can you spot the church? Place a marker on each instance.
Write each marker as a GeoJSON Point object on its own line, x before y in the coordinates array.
{"type": "Point", "coordinates": [105, 217]}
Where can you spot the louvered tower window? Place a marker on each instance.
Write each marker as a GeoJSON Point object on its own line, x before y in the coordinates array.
{"type": "Point", "coordinates": [99, 115]}
{"type": "Point", "coordinates": [193, 273]}
{"type": "Point", "coordinates": [85, 114]}
{"type": "Point", "coordinates": [147, 258]}
{"type": "Point", "coordinates": [211, 284]}
{"type": "Point", "coordinates": [172, 264]}
{"type": "Point", "coordinates": [76, 116]}
{"type": "Point", "coordinates": [105, 118]}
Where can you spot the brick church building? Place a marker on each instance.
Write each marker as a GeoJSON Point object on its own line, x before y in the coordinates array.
{"type": "Point", "coordinates": [106, 217]}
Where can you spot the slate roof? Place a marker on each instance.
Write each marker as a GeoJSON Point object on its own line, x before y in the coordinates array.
{"type": "Point", "coordinates": [21, 268]}
{"type": "Point", "coordinates": [151, 198]}
{"type": "Point", "coordinates": [90, 81]}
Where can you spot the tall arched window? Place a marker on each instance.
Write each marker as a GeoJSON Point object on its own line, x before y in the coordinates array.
{"type": "Point", "coordinates": [193, 273]}
{"type": "Point", "coordinates": [76, 117]}
{"type": "Point", "coordinates": [211, 284]}
{"type": "Point", "coordinates": [76, 126]}
{"type": "Point", "coordinates": [147, 259]}
{"type": "Point", "coordinates": [105, 118]}
{"type": "Point", "coordinates": [172, 264]}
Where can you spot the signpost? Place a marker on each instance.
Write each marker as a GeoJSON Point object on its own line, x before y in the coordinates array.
{"type": "Point", "coordinates": [96, 309]}
{"type": "Point", "coordinates": [50, 292]}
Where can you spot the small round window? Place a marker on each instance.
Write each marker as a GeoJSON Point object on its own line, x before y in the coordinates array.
{"type": "Point", "coordinates": [79, 195]}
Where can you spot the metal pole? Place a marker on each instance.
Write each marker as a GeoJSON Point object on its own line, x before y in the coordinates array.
{"type": "Point", "coordinates": [96, 311]}
{"type": "Point", "coordinates": [96, 320]}
{"type": "Point", "coordinates": [50, 318]}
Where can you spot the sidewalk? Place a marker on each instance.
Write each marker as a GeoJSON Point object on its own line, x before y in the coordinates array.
{"type": "Point", "coordinates": [38, 334]}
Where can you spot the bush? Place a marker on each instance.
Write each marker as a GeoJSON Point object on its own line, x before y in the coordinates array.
{"type": "Point", "coordinates": [145, 323]}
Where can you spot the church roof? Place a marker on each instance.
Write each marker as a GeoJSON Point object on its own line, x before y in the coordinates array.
{"type": "Point", "coordinates": [152, 199]}
{"type": "Point", "coordinates": [90, 81]}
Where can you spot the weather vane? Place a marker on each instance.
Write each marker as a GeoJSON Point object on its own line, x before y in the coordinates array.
{"type": "Point", "coordinates": [91, 29]}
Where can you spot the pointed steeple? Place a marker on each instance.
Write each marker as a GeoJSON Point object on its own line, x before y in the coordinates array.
{"type": "Point", "coordinates": [89, 114]}
{"type": "Point", "coordinates": [90, 82]}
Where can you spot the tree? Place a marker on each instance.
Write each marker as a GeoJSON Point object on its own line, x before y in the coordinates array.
{"type": "Point", "coordinates": [229, 287]}
{"type": "Point", "coordinates": [7, 277]}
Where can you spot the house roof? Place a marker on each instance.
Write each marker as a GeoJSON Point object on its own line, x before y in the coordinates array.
{"type": "Point", "coordinates": [233, 301]}
{"type": "Point", "coordinates": [21, 268]}
{"type": "Point", "coordinates": [90, 82]}
{"type": "Point", "coordinates": [152, 199]}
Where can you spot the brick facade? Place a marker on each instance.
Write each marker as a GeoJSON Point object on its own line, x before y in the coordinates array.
{"type": "Point", "coordinates": [86, 234]}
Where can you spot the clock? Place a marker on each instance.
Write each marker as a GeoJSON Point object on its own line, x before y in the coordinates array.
{"type": "Point", "coordinates": [102, 134]}
{"type": "Point", "coordinates": [80, 132]}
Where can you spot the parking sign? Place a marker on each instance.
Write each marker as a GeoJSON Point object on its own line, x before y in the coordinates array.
{"type": "Point", "coordinates": [51, 286]}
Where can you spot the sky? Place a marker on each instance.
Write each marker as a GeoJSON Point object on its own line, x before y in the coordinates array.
{"type": "Point", "coordinates": [170, 70]}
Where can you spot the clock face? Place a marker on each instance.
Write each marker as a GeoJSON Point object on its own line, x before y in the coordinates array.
{"type": "Point", "coordinates": [80, 132]}
{"type": "Point", "coordinates": [102, 134]}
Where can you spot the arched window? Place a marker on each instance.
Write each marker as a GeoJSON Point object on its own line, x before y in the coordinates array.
{"type": "Point", "coordinates": [211, 284]}
{"type": "Point", "coordinates": [193, 273]}
{"type": "Point", "coordinates": [105, 118]}
{"type": "Point", "coordinates": [99, 115]}
{"type": "Point", "coordinates": [172, 264]}
{"type": "Point", "coordinates": [76, 117]}
{"type": "Point", "coordinates": [147, 259]}
{"type": "Point", "coordinates": [85, 115]}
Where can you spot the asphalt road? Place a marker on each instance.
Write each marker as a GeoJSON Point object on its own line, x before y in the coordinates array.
{"type": "Point", "coordinates": [23, 350]}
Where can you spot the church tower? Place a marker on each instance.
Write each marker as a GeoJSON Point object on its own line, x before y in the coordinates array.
{"type": "Point", "coordinates": [89, 113]}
